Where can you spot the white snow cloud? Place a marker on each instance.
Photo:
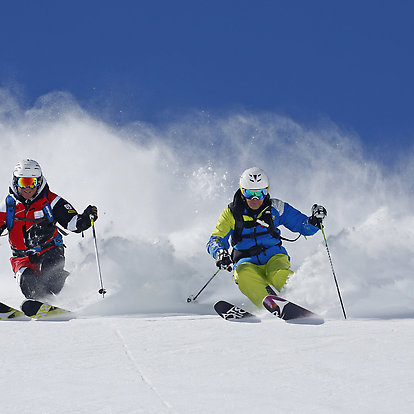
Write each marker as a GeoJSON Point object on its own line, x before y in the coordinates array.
{"type": "Point", "coordinates": [160, 189]}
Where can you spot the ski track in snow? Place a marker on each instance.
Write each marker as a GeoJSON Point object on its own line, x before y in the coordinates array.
{"type": "Point", "coordinates": [185, 364]}
{"type": "Point", "coordinates": [167, 407]}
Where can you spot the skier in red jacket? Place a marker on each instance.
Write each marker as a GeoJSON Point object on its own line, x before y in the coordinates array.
{"type": "Point", "coordinates": [30, 213]}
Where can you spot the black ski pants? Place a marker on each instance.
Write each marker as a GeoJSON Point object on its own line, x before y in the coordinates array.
{"type": "Point", "coordinates": [50, 278]}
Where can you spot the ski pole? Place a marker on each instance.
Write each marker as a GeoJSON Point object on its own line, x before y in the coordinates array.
{"type": "Point", "coordinates": [333, 271]}
{"type": "Point", "coordinates": [192, 298]}
{"type": "Point", "coordinates": [101, 291]}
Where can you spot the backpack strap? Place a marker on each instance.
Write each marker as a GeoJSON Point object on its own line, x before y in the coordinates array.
{"type": "Point", "coordinates": [236, 207]}
{"type": "Point", "coordinates": [10, 211]}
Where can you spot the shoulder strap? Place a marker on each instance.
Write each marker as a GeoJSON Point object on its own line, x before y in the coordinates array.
{"type": "Point", "coordinates": [236, 208]}
{"type": "Point", "coordinates": [11, 211]}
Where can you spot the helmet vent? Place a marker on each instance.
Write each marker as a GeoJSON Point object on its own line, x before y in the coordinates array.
{"type": "Point", "coordinates": [255, 178]}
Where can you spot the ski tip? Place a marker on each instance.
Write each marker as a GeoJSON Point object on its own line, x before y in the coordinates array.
{"type": "Point", "coordinates": [233, 313]}
{"type": "Point", "coordinates": [14, 316]}
{"type": "Point", "coordinates": [8, 313]}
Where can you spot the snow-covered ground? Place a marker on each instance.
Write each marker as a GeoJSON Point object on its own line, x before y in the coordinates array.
{"type": "Point", "coordinates": [143, 348]}
{"type": "Point", "coordinates": [203, 364]}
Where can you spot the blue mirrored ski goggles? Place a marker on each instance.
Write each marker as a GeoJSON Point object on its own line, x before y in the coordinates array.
{"type": "Point", "coordinates": [259, 194]}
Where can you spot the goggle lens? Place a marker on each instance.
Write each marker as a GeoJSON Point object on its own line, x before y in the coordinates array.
{"type": "Point", "coordinates": [24, 182]}
{"type": "Point", "coordinates": [250, 194]}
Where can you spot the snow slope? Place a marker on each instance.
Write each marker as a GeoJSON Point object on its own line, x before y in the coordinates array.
{"type": "Point", "coordinates": [203, 364]}
{"type": "Point", "coordinates": [159, 191]}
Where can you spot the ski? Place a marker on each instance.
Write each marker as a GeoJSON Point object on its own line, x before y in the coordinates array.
{"type": "Point", "coordinates": [44, 311]}
{"type": "Point", "coordinates": [9, 313]}
{"type": "Point", "coordinates": [290, 312]}
{"type": "Point", "coordinates": [230, 312]}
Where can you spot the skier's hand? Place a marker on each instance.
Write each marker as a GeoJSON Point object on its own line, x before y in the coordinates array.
{"type": "Point", "coordinates": [84, 220]}
{"type": "Point", "coordinates": [223, 260]}
{"type": "Point", "coordinates": [318, 214]}
{"type": "Point", "coordinates": [91, 211]}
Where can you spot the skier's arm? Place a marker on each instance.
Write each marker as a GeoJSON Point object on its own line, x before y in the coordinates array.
{"type": "Point", "coordinates": [296, 221]}
{"type": "Point", "coordinates": [220, 236]}
{"type": "Point", "coordinates": [68, 217]}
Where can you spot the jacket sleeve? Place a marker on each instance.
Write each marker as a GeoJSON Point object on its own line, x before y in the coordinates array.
{"type": "Point", "coordinates": [68, 217]}
{"type": "Point", "coordinates": [296, 221]}
{"type": "Point", "coordinates": [220, 237]}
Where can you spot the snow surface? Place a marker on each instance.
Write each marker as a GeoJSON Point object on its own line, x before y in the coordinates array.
{"type": "Point", "coordinates": [203, 364]}
{"type": "Point", "coordinates": [143, 348]}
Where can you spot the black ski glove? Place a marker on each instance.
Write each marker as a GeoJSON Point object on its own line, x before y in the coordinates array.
{"type": "Point", "coordinates": [318, 214]}
{"type": "Point", "coordinates": [84, 219]}
{"type": "Point", "coordinates": [223, 260]}
{"type": "Point", "coordinates": [91, 211]}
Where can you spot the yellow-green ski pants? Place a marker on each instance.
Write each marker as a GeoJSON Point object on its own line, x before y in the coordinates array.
{"type": "Point", "coordinates": [253, 279]}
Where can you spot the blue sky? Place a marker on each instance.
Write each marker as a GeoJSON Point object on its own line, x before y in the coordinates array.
{"type": "Point", "coordinates": [351, 62]}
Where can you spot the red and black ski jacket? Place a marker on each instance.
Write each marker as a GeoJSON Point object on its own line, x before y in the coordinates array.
{"type": "Point", "coordinates": [32, 223]}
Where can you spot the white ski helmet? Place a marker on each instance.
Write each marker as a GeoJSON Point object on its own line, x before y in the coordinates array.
{"type": "Point", "coordinates": [254, 179]}
{"type": "Point", "coordinates": [27, 168]}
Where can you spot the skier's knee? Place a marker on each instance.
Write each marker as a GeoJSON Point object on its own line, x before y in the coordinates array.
{"type": "Point", "coordinates": [30, 285]}
{"type": "Point", "coordinates": [280, 278]}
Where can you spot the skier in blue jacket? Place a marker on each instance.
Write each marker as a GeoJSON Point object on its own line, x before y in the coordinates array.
{"type": "Point", "coordinates": [251, 223]}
